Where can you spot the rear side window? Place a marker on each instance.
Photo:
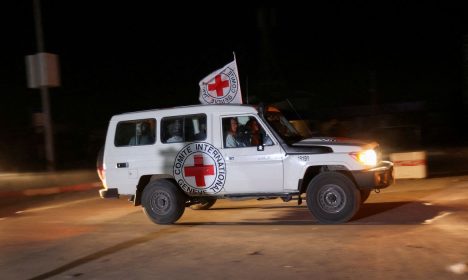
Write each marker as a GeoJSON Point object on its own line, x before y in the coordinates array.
{"type": "Point", "coordinates": [183, 128]}
{"type": "Point", "coordinates": [135, 133]}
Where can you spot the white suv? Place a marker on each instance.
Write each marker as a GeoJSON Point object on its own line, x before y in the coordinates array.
{"type": "Point", "coordinates": [168, 159]}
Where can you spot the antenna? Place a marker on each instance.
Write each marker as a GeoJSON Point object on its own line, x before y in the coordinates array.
{"type": "Point", "coordinates": [292, 107]}
{"type": "Point", "coordinates": [247, 89]}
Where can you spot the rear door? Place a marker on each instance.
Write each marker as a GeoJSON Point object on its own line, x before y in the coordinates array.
{"type": "Point", "coordinates": [129, 153]}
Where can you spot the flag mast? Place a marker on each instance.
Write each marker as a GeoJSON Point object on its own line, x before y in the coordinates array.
{"type": "Point", "coordinates": [246, 81]}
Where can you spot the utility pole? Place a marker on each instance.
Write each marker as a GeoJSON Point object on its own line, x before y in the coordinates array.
{"type": "Point", "coordinates": [48, 135]}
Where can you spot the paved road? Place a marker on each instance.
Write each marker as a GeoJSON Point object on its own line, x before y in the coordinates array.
{"type": "Point", "coordinates": [418, 229]}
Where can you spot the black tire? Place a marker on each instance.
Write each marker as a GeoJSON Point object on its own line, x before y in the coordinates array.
{"type": "Point", "coordinates": [163, 202]}
{"type": "Point", "coordinates": [332, 198]}
{"type": "Point", "coordinates": [204, 205]}
{"type": "Point", "coordinates": [364, 195]}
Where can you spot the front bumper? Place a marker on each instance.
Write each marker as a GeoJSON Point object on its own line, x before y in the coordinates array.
{"type": "Point", "coordinates": [109, 193]}
{"type": "Point", "coordinates": [378, 177]}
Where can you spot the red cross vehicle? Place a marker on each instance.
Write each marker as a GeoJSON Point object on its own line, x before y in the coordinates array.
{"type": "Point", "coordinates": [168, 159]}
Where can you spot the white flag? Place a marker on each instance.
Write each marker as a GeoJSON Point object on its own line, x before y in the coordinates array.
{"type": "Point", "coordinates": [221, 86]}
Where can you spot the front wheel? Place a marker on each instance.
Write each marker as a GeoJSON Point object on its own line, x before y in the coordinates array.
{"type": "Point", "coordinates": [332, 198]}
{"type": "Point", "coordinates": [163, 202]}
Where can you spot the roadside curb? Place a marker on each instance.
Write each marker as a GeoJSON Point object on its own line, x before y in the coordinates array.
{"type": "Point", "coordinates": [51, 190]}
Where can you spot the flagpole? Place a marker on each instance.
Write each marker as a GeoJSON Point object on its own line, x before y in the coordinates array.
{"type": "Point", "coordinates": [247, 81]}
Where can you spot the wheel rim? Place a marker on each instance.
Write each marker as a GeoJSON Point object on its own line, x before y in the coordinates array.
{"type": "Point", "coordinates": [332, 198]}
{"type": "Point", "coordinates": [160, 203]}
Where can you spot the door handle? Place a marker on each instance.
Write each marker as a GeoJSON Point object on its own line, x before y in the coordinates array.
{"type": "Point", "coordinates": [122, 164]}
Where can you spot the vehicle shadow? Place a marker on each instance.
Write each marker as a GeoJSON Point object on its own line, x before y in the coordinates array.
{"type": "Point", "coordinates": [380, 213]}
{"type": "Point", "coordinates": [399, 213]}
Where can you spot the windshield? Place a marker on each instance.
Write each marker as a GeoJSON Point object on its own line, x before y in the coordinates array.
{"type": "Point", "coordinates": [282, 126]}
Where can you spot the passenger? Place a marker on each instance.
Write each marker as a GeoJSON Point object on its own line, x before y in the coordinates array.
{"type": "Point", "coordinates": [175, 132]}
{"type": "Point", "coordinates": [143, 135]}
{"type": "Point", "coordinates": [202, 134]}
{"type": "Point", "coordinates": [232, 140]}
{"type": "Point", "coordinates": [257, 135]}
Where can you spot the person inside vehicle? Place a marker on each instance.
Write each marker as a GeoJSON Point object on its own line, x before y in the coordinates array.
{"type": "Point", "coordinates": [254, 130]}
{"type": "Point", "coordinates": [232, 140]}
{"type": "Point", "coordinates": [257, 136]}
{"type": "Point", "coordinates": [201, 135]}
{"type": "Point", "coordinates": [143, 135]}
{"type": "Point", "coordinates": [175, 132]}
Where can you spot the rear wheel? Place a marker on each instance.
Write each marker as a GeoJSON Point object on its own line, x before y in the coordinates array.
{"type": "Point", "coordinates": [163, 202]}
{"type": "Point", "coordinates": [332, 198]}
{"type": "Point", "coordinates": [204, 204]}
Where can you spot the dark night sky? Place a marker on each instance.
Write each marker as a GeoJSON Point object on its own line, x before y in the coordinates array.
{"type": "Point", "coordinates": [117, 57]}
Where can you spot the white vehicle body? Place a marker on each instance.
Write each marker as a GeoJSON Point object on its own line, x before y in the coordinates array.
{"type": "Point", "coordinates": [203, 168]}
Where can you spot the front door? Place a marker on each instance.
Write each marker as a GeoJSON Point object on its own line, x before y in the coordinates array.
{"type": "Point", "coordinates": [250, 167]}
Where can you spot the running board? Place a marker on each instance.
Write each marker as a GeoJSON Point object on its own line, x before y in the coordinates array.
{"type": "Point", "coordinates": [260, 196]}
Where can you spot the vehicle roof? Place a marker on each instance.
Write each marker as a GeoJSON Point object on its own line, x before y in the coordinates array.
{"type": "Point", "coordinates": [190, 109]}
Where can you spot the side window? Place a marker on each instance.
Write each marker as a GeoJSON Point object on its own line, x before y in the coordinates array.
{"type": "Point", "coordinates": [183, 128]}
{"type": "Point", "coordinates": [244, 131]}
{"type": "Point", "coordinates": [135, 133]}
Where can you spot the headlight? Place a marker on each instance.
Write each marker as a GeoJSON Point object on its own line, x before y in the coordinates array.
{"type": "Point", "coordinates": [365, 157]}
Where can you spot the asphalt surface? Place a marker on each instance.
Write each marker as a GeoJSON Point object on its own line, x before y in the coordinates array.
{"type": "Point", "coordinates": [416, 229]}
{"type": "Point", "coordinates": [15, 185]}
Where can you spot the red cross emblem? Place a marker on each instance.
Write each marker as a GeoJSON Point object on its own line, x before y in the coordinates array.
{"type": "Point", "coordinates": [218, 85]}
{"type": "Point", "coordinates": [199, 171]}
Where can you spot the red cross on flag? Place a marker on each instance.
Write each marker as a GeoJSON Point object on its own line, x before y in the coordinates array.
{"type": "Point", "coordinates": [221, 86]}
